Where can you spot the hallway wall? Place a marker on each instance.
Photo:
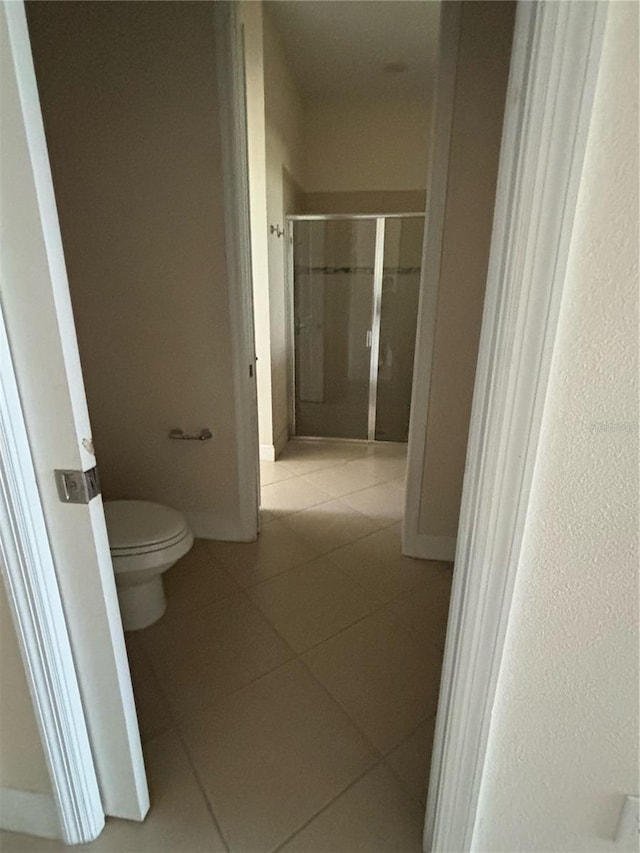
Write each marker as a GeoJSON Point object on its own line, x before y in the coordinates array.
{"type": "Point", "coordinates": [364, 145]}
{"type": "Point", "coordinates": [284, 153]}
{"type": "Point", "coordinates": [478, 111]}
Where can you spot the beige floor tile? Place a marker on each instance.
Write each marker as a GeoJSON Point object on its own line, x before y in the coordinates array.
{"type": "Point", "coordinates": [341, 479]}
{"type": "Point", "coordinates": [381, 676]}
{"type": "Point", "coordinates": [388, 450]}
{"type": "Point", "coordinates": [311, 603]}
{"type": "Point", "coordinates": [152, 709]}
{"type": "Point", "coordinates": [380, 468]}
{"type": "Point", "coordinates": [213, 652]}
{"type": "Point", "coordinates": [384, 503]}
{"type": "Point", "coordinates": [290, 496]}
{"type": "Point", "coordinates": [270, 756]}
{"type": "Point", "coordinates": [197, 579]}
{"type": "Point", "coordinates": [373, 816]}
{"type": "Point", "coordinates": [330, 525]}
{"type": "Point", "coordinates": [303, 457]}
{"type": "Point", "coordinates": [424, 609]}
{"type": "Point", "coordinates": [179, 820]}
{"type": "Point", "coordinates": [378, 565]}
{"type": "Point", "coordinates": [274, 472]}
{"type": "Point", "coordinates": [411, 760]}
{"type": "Point", "coordinates": [277, 549]}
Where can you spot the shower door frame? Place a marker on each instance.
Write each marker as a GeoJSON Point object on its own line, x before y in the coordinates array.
{"type": "Point", "coordinates": [376, 310]}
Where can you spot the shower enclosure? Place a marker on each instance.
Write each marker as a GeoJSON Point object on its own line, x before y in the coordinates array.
{"type": "Point", "coordinates": [355, 306]}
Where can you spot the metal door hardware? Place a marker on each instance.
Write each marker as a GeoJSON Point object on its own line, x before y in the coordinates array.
{"type": "Point", "coordinates": [275, 229]}
{"type": "Point", "coordinates": [77, 487]}
{"type": "Point", "coordinates": [204, 435]}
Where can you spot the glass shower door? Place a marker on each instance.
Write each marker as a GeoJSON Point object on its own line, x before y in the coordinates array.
{"type": "Point", "coordinates": [398, 317]}
{"type": "Point", "coordinates": [333, 262]}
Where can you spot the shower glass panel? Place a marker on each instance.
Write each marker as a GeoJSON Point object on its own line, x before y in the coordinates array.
{"type": "Point", "coordinates": [398, 318]}
{"type": "Point", "coordinates": [333, 263]}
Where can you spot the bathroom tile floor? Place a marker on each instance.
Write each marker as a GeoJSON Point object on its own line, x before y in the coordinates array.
{"type": "Point", "coordinates": [287, 698]}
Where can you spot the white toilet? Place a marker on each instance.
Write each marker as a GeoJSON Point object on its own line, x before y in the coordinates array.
{"type": "Point", "coordinates": [145, 540]}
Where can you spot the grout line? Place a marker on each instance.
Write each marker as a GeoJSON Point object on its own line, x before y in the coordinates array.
{"type": "Point", "coordinates": [326, 806]}
{"type": "Point", "coordinates": [337, 702]}
{"type": "Point", "coordinates": [177, 722]}
{"type": "Point", "coordinates": [200, 784]}
{"type": "Point", "coordinates": [175, 727]}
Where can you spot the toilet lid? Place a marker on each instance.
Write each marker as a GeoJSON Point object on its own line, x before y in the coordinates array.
{"type": "Point", "coordinates": [142, 526]}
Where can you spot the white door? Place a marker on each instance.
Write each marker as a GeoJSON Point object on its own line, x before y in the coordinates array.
{"type": "Point", "coordinates": [37, 311]}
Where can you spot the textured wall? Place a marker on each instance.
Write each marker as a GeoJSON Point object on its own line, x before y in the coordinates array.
{"type": "Point", "coordinates": [563, 746]}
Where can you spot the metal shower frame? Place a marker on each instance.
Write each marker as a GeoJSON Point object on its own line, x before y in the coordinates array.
{"type": "Point", "coordinates": [376, 309]}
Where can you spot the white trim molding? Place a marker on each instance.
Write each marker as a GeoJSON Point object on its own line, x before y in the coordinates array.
{"type": "Point", "coordinates": [423, 546]}
{"type": "Point", "coordinates": [32, 589]}
{"type": "Point", "coordinates": [235, 173]}
{"type": "Point", "coordinates": [415, 544]}
{"type": "Point", "coordinates": [553, 73]}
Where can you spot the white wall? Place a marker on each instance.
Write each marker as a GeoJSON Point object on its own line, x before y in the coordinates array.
{"type": "Point", "coordinates": [284, 150]}
{"type": "Point", "coordinates": [563, 747]}
{"type": "Point", "coordinates": [274, 124]}
{"type": "Point", "coordinates": [22, 762]}
{"type": "Point", "coordinates": [129, 99]}
{"type": "Point", "coordinates": [364, 145]}
{"type": "Point", "coordinates": [251, 17]}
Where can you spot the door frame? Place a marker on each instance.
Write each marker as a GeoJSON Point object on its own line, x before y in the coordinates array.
{"type": "Point", "coordinates": [552, 82]}
{"type": "Point", "coordinates": [554, 66]}
{"type": "Point", "coordinates": [34, 597]}
{"type": "Point", "coordinates": [229, 47]}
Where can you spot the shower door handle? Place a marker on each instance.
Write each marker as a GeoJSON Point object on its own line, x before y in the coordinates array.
{"type": "Point", "coordinates": [368, 339]}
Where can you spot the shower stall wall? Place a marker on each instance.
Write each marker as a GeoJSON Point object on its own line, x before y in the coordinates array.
{"type": "Point", "coordinates": [355, 304]}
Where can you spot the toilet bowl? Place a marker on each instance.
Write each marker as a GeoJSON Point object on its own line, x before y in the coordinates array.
{"type": "Point", "coordinates": [145, 540]}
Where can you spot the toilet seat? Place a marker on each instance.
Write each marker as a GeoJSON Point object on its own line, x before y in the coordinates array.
{"type": "Point", "coordinates": [143, 534]}
{"type": "Point", "coordinates": [135, 527]}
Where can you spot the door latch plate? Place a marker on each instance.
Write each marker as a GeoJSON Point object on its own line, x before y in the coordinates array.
{"type": "Point", "coordinates": [77, 487]}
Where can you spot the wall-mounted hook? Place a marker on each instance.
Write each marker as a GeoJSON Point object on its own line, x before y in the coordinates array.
{"type": "Point", "coordinates": [275, 229]}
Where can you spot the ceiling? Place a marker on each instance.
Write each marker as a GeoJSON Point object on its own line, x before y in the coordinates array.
{"type": "Point", "coordinates": [359, 48]}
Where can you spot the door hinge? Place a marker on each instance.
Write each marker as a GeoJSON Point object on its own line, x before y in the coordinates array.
{"type": "Point", "coordinates": [77, 487]}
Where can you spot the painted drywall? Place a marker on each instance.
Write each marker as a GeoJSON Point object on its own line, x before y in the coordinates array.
{"type": "Point", "coordinates": [251, 18]}
{"type": "Point", "coordinates": [22, 762]}
{"type": "Point", "coordinates": [478, 111]}
{"type": "Point", "coordinates": [129, 99]}
{"type": "Point", "coordinates": [363, 145]}
{"type": "Point", "coordinates": [563, 745]}
{"type": "Point", "coordinates": [274, 126]}
{"type": "Point", "coordinates": [365, 201]}
{"type": "Point", "coordinates": [284, 151]}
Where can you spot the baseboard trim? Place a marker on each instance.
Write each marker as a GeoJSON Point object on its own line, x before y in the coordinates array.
{"type": "Point", "coordinates": [427, 547]}
{"type": "Point", "coordinates": [267, 453]}
{"type": "Point", "coordinates": [204, 525]}
{"type": "Point", "coordinates": [29, 813]}
{"type": "Point", "coordinates": [281, 442]}
{"type": "Point", "coordinates": [270, 452]}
